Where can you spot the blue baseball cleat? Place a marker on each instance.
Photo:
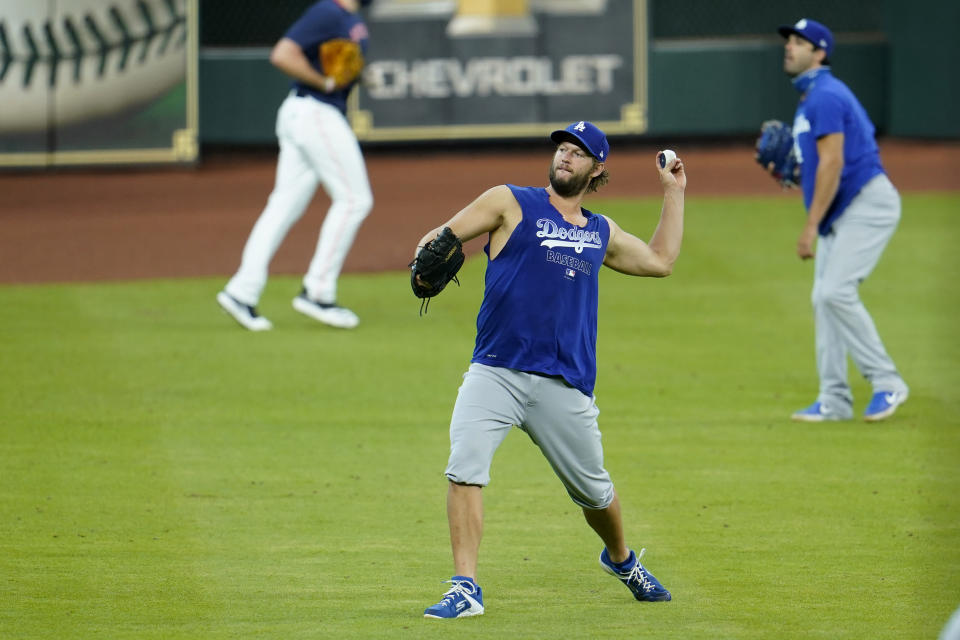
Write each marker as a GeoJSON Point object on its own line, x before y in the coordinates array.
{"type": "Point", "coordinates": [816, 413]}
{"type": "Point", "coordinates": [641, 582]}
{"type": "Point", "coordinates": [462, 600]}
{"type": "Point", "coordinates": [883, 404]}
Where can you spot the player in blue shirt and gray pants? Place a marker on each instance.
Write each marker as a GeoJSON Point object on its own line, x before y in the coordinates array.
{"type": "Point", "coordinates": [854, 208]}
{"type": "Point", "coordinates": [534, 363]}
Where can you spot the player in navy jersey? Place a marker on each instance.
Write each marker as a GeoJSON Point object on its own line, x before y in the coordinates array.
{"type": "Point", "coordinates": [317, 146]}
{"type": "Point", "coordinates": [854, 209]}
{"type": "Point", "coordinates": [534, 363]}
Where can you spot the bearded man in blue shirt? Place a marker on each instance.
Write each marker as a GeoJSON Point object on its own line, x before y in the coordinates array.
{"type": "Point", "coordinates": [534, 363]}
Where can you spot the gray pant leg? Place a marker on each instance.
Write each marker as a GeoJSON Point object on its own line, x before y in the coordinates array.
{"type": "Point", "coordinates": [562, 421]}
{"type": "Point", "coordinates": [843, 325]}
{"type": "Point", "coordinates": [558, 418]}
{"type": "Point", "coordinates": [489, 403]}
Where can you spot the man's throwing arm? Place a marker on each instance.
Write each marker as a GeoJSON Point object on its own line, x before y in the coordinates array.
{"type": "Point", "coordinates": [629, 254]}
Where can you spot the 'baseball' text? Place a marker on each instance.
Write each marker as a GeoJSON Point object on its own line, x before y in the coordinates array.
{"type": "Point", "coordinates": [569, 261]}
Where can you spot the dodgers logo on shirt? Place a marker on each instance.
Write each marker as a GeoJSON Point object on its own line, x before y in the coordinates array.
{"type": "Point", "coordinates": [574, 237]}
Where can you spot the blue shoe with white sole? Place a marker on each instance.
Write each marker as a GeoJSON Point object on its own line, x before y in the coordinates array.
{"type": "Point", "coordinates": [464, 599]}
{"type": "Point", "coordinates": [641, 582]}
{"type": "Point", "coordinates": [816, 412]}
{"type": "Point", "coordinates": [883, 404]}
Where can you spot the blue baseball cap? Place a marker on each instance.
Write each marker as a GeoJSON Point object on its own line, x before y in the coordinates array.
{"type": "Point", "coordinates": [587, 135]}
{"type": "Point", "coordinates": [812, 31]}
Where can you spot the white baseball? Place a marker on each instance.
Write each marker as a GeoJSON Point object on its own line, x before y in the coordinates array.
{"type": "Point", "coordinates": [665, 157]}
{"type": "Point", "coordinates": [88, 59]}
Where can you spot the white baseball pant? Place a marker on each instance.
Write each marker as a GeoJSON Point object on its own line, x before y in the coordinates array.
{"type": "Point", "coordinates": [317, 146]}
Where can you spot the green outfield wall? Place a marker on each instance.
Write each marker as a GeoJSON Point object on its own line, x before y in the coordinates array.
{"type": "Point", "coordinates": [694, 68]}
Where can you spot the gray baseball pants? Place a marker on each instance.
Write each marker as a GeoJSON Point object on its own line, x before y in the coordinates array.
{"type": "Point", "coordinates": [559, 419]}
{"type": "Point", "coordinates": [844, 327]}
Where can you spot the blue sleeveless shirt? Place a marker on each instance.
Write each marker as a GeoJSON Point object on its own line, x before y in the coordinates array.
{"type": "Point", "coordinates": [539, 309]}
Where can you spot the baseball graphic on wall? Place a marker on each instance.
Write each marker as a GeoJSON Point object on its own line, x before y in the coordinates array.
{"type": "Point", "coordinates": [66, 62]}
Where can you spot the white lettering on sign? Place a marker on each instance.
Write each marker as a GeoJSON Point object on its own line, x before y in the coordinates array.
{"type": "Point", "coordinates": [481, 77]}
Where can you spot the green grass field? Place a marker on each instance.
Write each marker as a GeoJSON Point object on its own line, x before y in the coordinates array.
{"type": "Point", "coordinates": [167, 475]}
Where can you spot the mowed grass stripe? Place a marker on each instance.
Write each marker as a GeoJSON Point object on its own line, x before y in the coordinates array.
{"type": "Point", "coordinates": [168, 475]}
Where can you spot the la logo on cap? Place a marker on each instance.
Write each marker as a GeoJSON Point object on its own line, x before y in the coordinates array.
{"type": "Point", "coordinates": [801, 24]}
{"type": "Point", "coordinates": [580, 126]}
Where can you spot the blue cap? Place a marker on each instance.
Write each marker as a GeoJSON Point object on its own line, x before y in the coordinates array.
{"type": "Point", "coordinates": [812, 31]}
{"type": "Point", "coordinates": [587, 135]}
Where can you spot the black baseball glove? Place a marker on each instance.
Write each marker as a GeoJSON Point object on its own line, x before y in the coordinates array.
{"type": "Point", "coordinates": [436, 264]}
{"type": "Point", "coordinates": [776, 154]}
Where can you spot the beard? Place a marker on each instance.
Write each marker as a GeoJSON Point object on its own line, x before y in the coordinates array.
{"type": "Point", "coordinates": [571, 186]}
